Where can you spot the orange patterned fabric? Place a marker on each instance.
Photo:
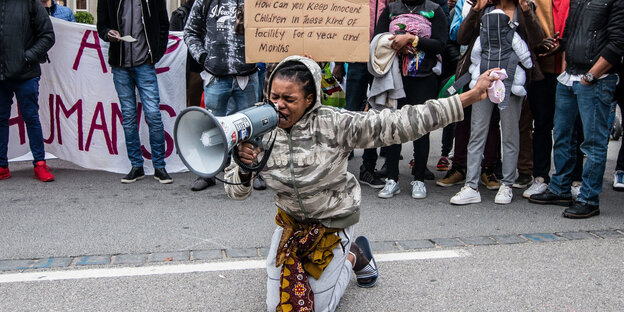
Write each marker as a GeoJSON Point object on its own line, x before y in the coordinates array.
{"type": "Point", "coordinates": [303, 249]}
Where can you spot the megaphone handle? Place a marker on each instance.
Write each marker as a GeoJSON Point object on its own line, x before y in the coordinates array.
{"type": "Point", "coordinates": [257, 167]}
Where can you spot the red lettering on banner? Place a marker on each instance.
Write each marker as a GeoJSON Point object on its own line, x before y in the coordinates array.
{"type": "Point", "coordinates": [170, 49]}
{"type": "Point", "coordinates": [76, 108]}
{"type": "Point", "coordinates": [99, 114]}
{"type": "Point", "coordinates": [50, 139]}
{"type": "Point", "coordinates": [168, 138]}
{"type": "Point", "coordinates": [116, 118]}
{"type": "Point", "coordinates": [95, 45]}
{"type": "Point", "coordinates": [21, 126]}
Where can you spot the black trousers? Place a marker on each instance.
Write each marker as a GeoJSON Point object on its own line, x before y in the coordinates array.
{"type": "Point", "coordinates": [358, 79]}
{"type": "Point", "coordinates": [417, 91]}
{"type": "Point", "coordinates": [619, 97]}
{"type": "Point", "coordinates": [541, 95]}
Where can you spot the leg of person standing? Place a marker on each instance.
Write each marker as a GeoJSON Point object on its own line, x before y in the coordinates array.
{"type": "Point", "coordinates": [217, 94]}
{"type": "Point", "coordinates": [358, 79]}
{"type": "Point", "coordinates": [618, 176]}
{"type": "Point", "coordinates": [525, 157]}
{"type": "Point", "coordinates": [564, 155]}
{"type": "Point", "coordinates": [245, 97]}
{"type": "Point", "coordinates": [541, 97]}
{"type": "Point", "coordinates": [125, 84]}
{"type": "Point", "coordinates": [147, 84]}
{"type": "Point", "coordinates": [510, 134]}
{"type": "Point", "coordinates": [479, 128]}
{"type": "Point", "coordinates": [27, 95]}
{"type": "Point", "coordinates": [6, 100]}
{"type": "Point", "coordinates": [594, 104]}
{"type": "Point", "coordinates": [424, 89]}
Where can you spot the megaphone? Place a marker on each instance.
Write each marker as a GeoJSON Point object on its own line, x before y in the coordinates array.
{"type": "Point", "coordinates": [204, 141]}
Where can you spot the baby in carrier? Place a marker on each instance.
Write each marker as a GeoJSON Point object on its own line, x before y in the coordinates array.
{"type": "Point", "coordinates": [499, 45]}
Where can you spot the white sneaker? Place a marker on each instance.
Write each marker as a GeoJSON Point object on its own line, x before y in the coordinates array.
{"type": "Point", "coordinates": [538, 187]}
{"type": "Point", "coordinates": [389, 189]}
{"type": "Point", "coordinates": [504, 195]}
{"type": "Point", "coordinates": [575, 189]}
{"type": "Point", "coordinates": [418, 189]}
{"type": "Point", "coordinates": [467, 195]}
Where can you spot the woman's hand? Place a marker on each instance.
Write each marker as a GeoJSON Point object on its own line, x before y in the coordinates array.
{"type": "Point", "coordinates": [548, 46]}
{"type": "Point", "coordinates": [401, 41]}
{"type": "Point", "coordinates": [479, 91]}
{"type": "Point", "coordinates": [247, 153]}
{"type": "Point", "coordinates": [477, 5]}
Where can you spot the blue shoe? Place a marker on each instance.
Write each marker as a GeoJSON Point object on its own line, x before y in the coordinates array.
{"type": "Point", "coordinates": [366, 277]}
{"type": "Point", "coordinates": [618, 181]}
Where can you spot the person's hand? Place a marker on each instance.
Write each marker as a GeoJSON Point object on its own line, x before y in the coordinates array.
{"type": "Point", "coordinates": [477, 5]}
{"type": "Point", "coordinates": [339, 71]}
{"type": "Point", "coordinates": [479, 91]}
{"type": "Point", "coordinates": [408, 49]}
{"type": "Point", "coordinates": [548, 46]}
{"type": "Point", "coordinates": [247, 153]}
{"type": "Point", "coordinates": [451, 4]}
{"type": "Point", "coordinates": [585, 83]}
{"type": "Point", "coordinates": [113, 36]}
{"type": "Point", "coordinates": [484, 82]}
{"type": "Point", "coordinates": [400, 41]}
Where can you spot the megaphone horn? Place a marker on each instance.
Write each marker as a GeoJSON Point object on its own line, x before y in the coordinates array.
{"type": "Point", "coordinates": [204, 141]}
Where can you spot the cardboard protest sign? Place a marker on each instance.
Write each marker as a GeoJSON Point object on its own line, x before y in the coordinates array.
{"type": "Point", "coordinates": [327, 30]}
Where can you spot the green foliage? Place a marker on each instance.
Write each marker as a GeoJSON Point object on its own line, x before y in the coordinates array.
{"type": "Point", "coordinates": [84, 17]}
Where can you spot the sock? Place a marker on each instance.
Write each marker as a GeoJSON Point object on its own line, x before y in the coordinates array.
{"type": "Point", "coordinates": [360, 259]}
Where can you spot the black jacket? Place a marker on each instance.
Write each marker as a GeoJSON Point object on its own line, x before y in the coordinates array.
{"type": "Point", "coordinates": [26, 35]}
{"type": "Point", "coordinates": [594, 28]}
{"type": "Point", "coordinates": [155, 23]}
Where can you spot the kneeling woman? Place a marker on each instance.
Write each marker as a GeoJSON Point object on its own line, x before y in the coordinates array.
{"type": "Point", "coordinates": [313, 252]}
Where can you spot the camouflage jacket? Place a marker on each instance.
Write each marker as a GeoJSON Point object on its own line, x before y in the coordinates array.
{"type": "Point", "coordinates": [308, 165]}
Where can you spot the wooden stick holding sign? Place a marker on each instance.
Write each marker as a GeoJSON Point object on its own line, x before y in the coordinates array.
{"type": "Point", "coordinates": [329, 30]}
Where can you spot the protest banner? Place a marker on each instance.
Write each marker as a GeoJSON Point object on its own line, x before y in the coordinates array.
{"type": "Point", "coordinates": [327, 30]}
{"type": "Point", "coordinates": [79, 108]}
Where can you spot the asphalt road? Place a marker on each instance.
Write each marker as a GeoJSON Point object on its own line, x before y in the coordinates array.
{"type": "Point", "coordinates": [89, 213]}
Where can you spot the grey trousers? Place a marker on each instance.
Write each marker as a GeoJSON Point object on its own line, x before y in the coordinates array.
{"type": "Point", "coordinates": [329, 288]}
{"type": "Point", "coordinates": [479, 125]}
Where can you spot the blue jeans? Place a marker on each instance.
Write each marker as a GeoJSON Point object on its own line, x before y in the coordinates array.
{"type": "Point", "coordinates": [218, 93]}
{"type": "Point", "coordinates": [593, 104]}
{"type": "Point", "coordinates": [27, 94]}
{"type": "Point", "coordinates": [144, 79]}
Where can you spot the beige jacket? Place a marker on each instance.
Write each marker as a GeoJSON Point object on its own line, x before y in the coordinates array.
{"type": "Point", "coordinates": [308, 165]}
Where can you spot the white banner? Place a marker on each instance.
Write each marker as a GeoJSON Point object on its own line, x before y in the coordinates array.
{"type": "Point", "coordinates": [79, 109]}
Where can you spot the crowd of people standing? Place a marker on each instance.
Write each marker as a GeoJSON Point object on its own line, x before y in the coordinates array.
{"type": "Point", "coordinates": [542, 45]}
{"type": "Point", "coordinates": [511, 81]}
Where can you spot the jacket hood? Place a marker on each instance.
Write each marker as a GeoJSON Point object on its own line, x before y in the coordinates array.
{"type": "Point", "coordinates": [314, 68]}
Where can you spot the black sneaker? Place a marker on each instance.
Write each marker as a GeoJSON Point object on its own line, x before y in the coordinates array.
{"type": "Point", "coordinates": [369, 178]}
{"type": "Point", "coordinates": [136, 173]}
{"type": "Point", "coordinates": [581, 210]}
{"type": "Point", "coordinates": [548, 198]}
{"type": "Point", "coordinates": [201, 184]}
{"type": "Point", "coordinates": [162, 176]}
{"type": "Point", "coordinates": [258, 183]}
{"type": "Point", "coordinates": [523, 180]}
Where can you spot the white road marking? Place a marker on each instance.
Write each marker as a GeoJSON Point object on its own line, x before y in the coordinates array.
{"type": "Point", "coordinates": [198, 267]}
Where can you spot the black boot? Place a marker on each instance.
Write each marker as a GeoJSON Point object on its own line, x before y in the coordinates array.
{"type": "Point", "coordinates": [581, 210]}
